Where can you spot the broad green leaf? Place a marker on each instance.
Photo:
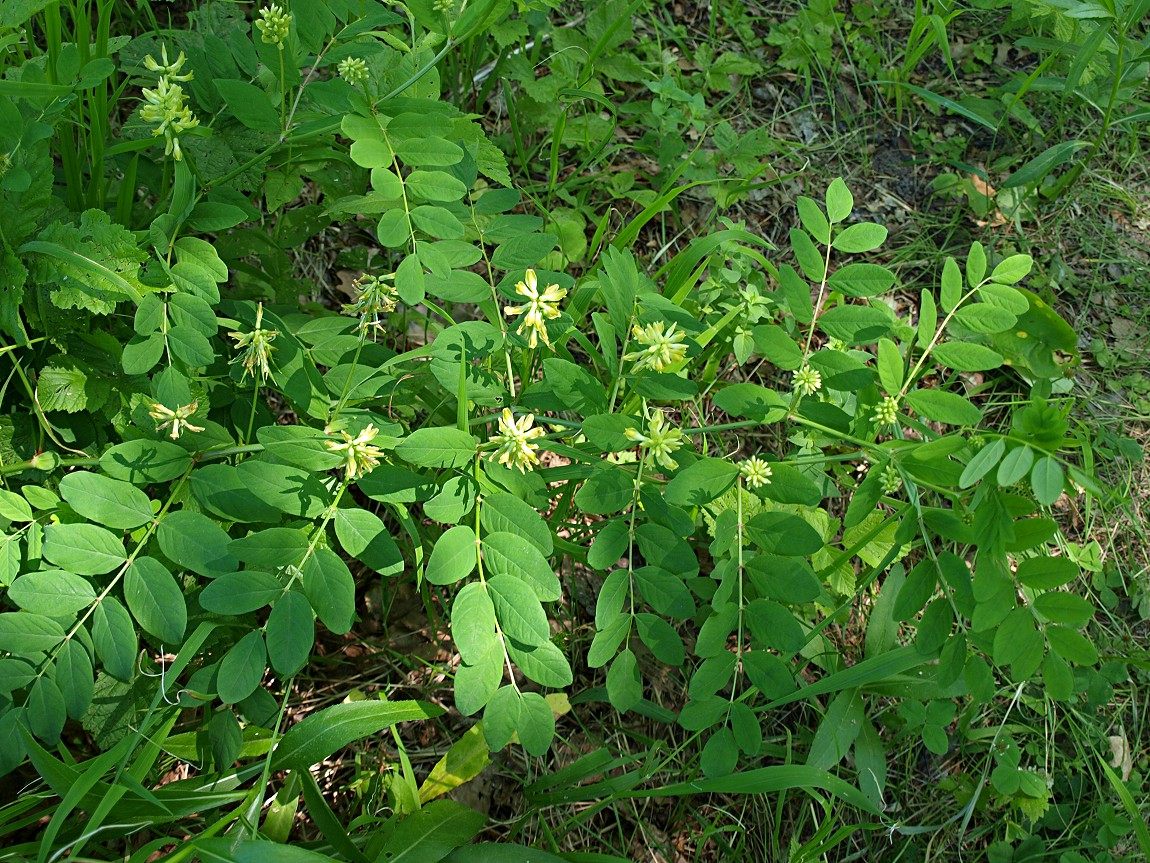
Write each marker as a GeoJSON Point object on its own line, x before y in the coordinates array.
{"type": "Point", "coordinates": [454, 556]}
{"type": "Point", "coordinates": [661, 638]}
{"type": "Point", "coordinates": [809, 258]}
{"type": "Point", "coordinates": [330, 588]}
{"type": "Point", "coordinates": [438, 447]}
{"type": "Point", "coordinates": [1062, 607]}
{"type": "Point", "coordinates": [505, 512]}
{"type": "Point", "coordinates": [975, 264]}
{"type": "Point", "coordinates": [916, 591]}
{"type": "Point", "coordinates": [114, 636]}
{"type": "Point", "coordinates": [52, 592]}
{"type": "Point", "coordinates": [229, 850]}
{"type": "Point", "coordinates": [221, 491]}
{"type": "Point", "coordinates": [327, 731]}
{"type": "Point", "coordinates": [862, 237]}
{"type": "Point", "coordinates": [782, 533]}
{"type": "Point", "coordinates": [983, 462]}
{"type": "Point", "coordinates": [951, 292]}
{"type": "Point", "coordinates": [609, 545]}
{"type": "Point", "coordinates": [240, 592]}
{"type": "Point", "coordinates": [437, 222]}
{"type": "Point", "coordinates": [14, 507]}
{"type": "Point", "coordinates": [840, 201]}
{"type": "Point", "coordinates": [290, 633]}
{"type": "Point", "coordinates": [249, 104]}
{"type": "Point", "coordinates": [473, 622]}
{"type": "Point", "coordinates": [510, 554]}
{"type": "Point", "coordinates": [701, 482]}
{"type": "Point", "coordinates": [787, 579]}
{"type": "Point", "coordinates": [193, 541]}
{"type": "Point", "coordinates": [501, 718]}
{"type": "Point", "coordinates": [84, 549]}
{"type": "Point", "coordinates": [435, 186]}
{"type": "Point", "coordinates": [1046, 573]}
{"type": "Point", "coordinates": [967, 357]}
{"type": "Point", "coordinates": [1071, 645]}
{"type": "Point", "coordinates": [861, 280]}
{"type": "Point", "coordinates": [477, 682]}
{"type": "Point", "coordinates": [774, 626]}
{"type": "Point", "coordinates": [944, 407]}
{"type": "Point", "coordinates": [518, 610]}
{"type": "Point", "coordinates": [544, 664]}
{"type": "Point", "coordinates": [1013, 269]}
{"type": "Point", "coordinates": [814, 220]}
{"type": "Point", "coordinates": [985, 318]}
{"type": "Point", "coordinates": [1047, 480]}
{"type": "Point", "coordinates": [155, 600]}
{"type": "Point", "coordinates": [364, 536]}
{"type": "Point", "coordinates": [777, 347]}
{"type": "Point", "coordinates": [428, 152]}
{"type": "Point", "coordinates": [22, 632]}
{"type": "Point", "coordinates": [536, 726]}
{"type": "Point", "coordinates": [927, 319]}
{"type": "Point", "coordinates": [145, 461]}
{"type": "Point", "coordinates": [624, 688]}
{"type": "Point", "coordinates": [664, 592]}
{"type": "Point", "coordinates": [272, 548]}
{"type": "Point", "coordinates": [856, 325]}
{"type": "Point", "coordinates": [110, 502]}
{"type": "Point", "coordinates": [608, 490]}
{"type": "Point", "coordinates": [46, 710]}
{"type": "Point", "coordinates": [300, 446]}
{"type": "Point", "coordinates": [1016, 637]}
{"type": "Point", "coordinates": [242, 668]}
{"type": "Point", "coordinates": [1015, 465]}
{"type": "Point", "coordinates": [890, 366]}
{"type": "Point", "coordinates": [289, 489]}
{"type": "Point", "coordinates": [75, 678]}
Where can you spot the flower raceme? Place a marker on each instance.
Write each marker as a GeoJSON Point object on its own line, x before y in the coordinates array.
{"type": "Point", "coordinates": [540, 307]}
{"type": "Point", "coordinates": [274, 25]}
{"type": "Point", "coordinates": [177, 419]}
{"type": "Point", "coordinates": [659, 349]}
{"type": "Point", "coordinates": [755, 472]}
{"type": "Point", "coordinates": [660, 440]}
{"type": "Point", "coordinates": [256, 347]}
{"type": "Point", "coordinates": [515, 449]}
{"type": "Point", "coordinates": [167, 104]}
{"type": "Point", "coordinates": [359, 455]}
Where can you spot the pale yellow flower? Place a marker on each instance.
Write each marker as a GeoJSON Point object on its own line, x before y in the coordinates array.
{"type": "Point", "coordinates": [660, 349]}
{"type": "Point", "coordinates": [359, 455]}
{"type": "Point", "coordinates": [755, 472]}
{"type": "Point", "coordinates": [540, 307]}
{"type": "Point", "coordinates": [256, 346]}
{"type": "Point", "coordinates": [515, 449]}
{"type": "Point", "coordinates": [886, 412]}
{"type": "Point", "coordinates": [807, 381]}
{"type": "Point", "coordinates": [661, 440]}
{"type": "Point", "coordinates": [177, 419]}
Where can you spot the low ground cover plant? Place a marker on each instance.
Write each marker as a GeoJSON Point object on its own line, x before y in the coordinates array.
{"type": "Point", "coordinates": [793, 514]}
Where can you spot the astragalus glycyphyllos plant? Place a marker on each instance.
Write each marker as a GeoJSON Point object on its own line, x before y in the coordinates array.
{"type": "Point", "coordinates": [202, 476]}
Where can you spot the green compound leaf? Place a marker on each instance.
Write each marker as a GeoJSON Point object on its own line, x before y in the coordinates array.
{"type": "Point", "coordinates": [454, 556]}
{"type": "Point", "coordinates": [84, 549]}
{"type": "Point", "coordinates": [155, 600]}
